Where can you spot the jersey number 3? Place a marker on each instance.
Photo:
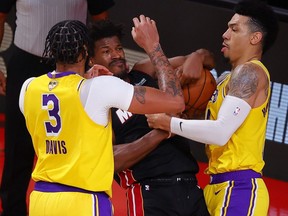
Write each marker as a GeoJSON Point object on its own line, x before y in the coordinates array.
{"type": "Point", "coordinates": [51, 103]}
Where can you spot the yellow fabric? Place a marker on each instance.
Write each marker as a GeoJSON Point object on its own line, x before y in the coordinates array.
{"type": "Point", "coordinates": [72, 204]}
{"type": "Point", "coordinates": [245, 148]}
{"type": "Point", "coordinates": [78, 152]}
{"type": "Point", "coordinates": [230, 194]}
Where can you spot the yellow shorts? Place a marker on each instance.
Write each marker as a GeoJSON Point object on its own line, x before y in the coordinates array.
{"type": "Point", "coordinates": [70, 203]}
{"type": "Point", "coordinates": [239, 196]}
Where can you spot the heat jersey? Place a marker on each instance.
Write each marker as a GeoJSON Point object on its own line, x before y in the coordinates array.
{"type": "Point", "coordinates": [170, 158]}
{"type": "Point", "coordinates": [244, 149]}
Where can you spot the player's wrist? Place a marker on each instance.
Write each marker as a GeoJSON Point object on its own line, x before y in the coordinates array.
{"type": "Point", "coordinates": [151, 49]}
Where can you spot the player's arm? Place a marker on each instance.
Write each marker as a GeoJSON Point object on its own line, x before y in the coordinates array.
{"type": "Point", "coordinates": [146, 66]}
{"type": "Point", "coordinates": [193, 66]}
{"type": "Point", "coordinates": [126, 155]}
{"type": "Point", "coordinates": [137, 99]}
{"type": "Point", "coordinates": [188, 67]}
{"type": "Point", "coordinates": [22, 93]}
{"type": "Point", "coordinates": [145, 34]}
{"type": "Point", "coordinates": [248, 88]}
{"type": "Point", "coordinates": [250, 83]}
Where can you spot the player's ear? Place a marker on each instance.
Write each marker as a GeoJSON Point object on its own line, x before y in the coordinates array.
{"type": "Point", "coordinates": [256, 38]}
{"type": "Point", "coordinates": [91, 62]}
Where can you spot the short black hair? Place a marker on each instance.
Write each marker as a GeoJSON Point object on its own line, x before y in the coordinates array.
{"type": "Point", "coordinates": [66, 41]}
{"type": "Point", "coordinates": [104, 29]}
{"type": "Point", "coordinates": [262, 18]}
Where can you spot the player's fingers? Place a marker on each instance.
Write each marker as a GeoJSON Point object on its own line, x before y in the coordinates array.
{"type": "Point", "coordinates": [105, 72]}
{"type": "Point", "coordinates": [148, 19]}
{"type": "Point", "coordinates": [133, 33]}
{"type": "Point", "coordinates": [142, 18]}
{"type": "Point", "coordinates": [136, 21]}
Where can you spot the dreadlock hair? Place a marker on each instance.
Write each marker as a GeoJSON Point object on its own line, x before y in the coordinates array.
{"type": "Point", "coordinates": [103, 29]}
{"type": "Point", "coordinates": [66, 41]}
{"type": "Point", "coordinates": [262, 18]}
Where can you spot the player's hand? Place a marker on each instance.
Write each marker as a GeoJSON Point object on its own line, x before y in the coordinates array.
{"type": "Point", "coordinates": [191, 69]}
{"type": "Point", "coordinates": [97, 70]}
{"type": "Point", "coordinates": [2, 83]}
{"type": "Point", "coordinates": [159, 121]}
{"type": "Point", "coordinates": [145, 33]}
{"type": "Point", "coordinates": [208, 58]}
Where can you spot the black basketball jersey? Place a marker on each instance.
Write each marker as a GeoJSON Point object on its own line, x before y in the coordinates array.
{"type": "Point", "coordinates": [171, 157]}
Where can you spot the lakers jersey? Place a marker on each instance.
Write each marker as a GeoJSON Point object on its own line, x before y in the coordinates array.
{"type": "Point", "coordinates": [244, 150]}
{"type": "Point", "coordinates": [71, 148]}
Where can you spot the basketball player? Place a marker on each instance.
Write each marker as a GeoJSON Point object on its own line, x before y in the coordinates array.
{"type": "Point", "coordinates": [33, 20]}
{"type": "Point", "coordinates": [158, 173]}
{"type": "Point", "coordinates": [236, 116]}
{"type": "Point", "coordinates": [69, 120]}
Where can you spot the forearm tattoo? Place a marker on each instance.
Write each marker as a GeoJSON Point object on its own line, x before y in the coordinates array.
{"type": "Point", "coordinates": [139, 94]}
{"type": "Point", "coordinates": [165, 73]}
{"type": "Point", "coordinates": [244, 82]}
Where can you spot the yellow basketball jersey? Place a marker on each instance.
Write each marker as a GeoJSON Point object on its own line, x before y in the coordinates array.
{"type": "Point", "coordinates": [245, 148]}
{"type": "Point", "coordinates": [71, 148]}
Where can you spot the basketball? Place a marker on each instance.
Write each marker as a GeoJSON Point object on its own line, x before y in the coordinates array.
{"type": "Point", "coordinates": [197, 95]}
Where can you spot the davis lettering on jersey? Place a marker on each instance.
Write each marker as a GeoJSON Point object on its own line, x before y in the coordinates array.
{"type": "Point", "coordinates": [56, 147]}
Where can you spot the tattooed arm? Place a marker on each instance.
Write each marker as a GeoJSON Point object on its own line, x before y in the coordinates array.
{"type": "Point", "coordinates": [250, 83]}
{"type": "Point", "coordinates": [248, 88]}
{"type": "Point", "coordinates": [146, 35]}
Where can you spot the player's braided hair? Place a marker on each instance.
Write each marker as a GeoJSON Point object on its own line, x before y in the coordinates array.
{"type": "Point", "coordinates": [66, 42]}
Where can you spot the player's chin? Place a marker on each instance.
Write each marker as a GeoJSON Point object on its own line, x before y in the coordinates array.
{"type": "Point", "coordinates": [226, 55]}
{"type": "Point", "coordinates": [119, 72]}
{"type": "Point", "coordinates": [118, 68]}
{"type": "Point", "coordinates": [226, 59]}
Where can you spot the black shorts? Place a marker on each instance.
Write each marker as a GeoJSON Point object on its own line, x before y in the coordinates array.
{"type": "Point", "coordinates": [167, 196]}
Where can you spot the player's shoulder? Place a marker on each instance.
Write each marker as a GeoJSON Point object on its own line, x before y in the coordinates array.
{"type": "Point", "coordinates": [104, 79]}
{"type": "Point", "coordinates": [103, 83]}
{"type": "Point", "coordinates": [27, 82]}
{"type": "Point", "coordinates": [253, 69]}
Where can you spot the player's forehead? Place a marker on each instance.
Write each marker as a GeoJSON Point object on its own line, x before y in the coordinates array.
{"type": "Point", "coordinates": [108, 42]}
{"type": "Point", "coordinates": [238, 20]}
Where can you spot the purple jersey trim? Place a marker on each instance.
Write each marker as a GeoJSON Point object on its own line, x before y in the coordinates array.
{"type": "Point", "coordinates": [62, 74]}
{"type": "Point", "coordinates": [234, 176]}
{"type": "Point", "coordinates": [56, 187]}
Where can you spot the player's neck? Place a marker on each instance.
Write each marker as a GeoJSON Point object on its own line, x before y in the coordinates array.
{"type": "Point", "coordinates": [77, 68]}
{"type": "Point", "coordinates": [244, 59]}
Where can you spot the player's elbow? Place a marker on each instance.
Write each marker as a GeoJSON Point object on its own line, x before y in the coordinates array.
{"type": "Point", "coordinates": [221, 140]}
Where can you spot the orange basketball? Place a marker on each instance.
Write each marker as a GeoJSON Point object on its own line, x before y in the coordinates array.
{"type": "Point", "coordinates": [197, 95]}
